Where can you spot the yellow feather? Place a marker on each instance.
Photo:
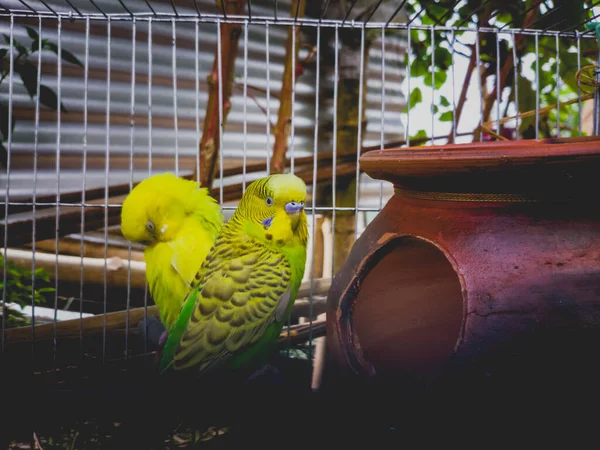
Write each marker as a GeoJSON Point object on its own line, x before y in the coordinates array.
{"type": "Point", "coordinates": [178, 221]}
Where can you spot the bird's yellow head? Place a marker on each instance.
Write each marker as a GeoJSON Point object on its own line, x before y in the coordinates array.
{"type": "Point", "coordinates": [275, 205]}
{"type": "Point", "coordinates": [155, 209]}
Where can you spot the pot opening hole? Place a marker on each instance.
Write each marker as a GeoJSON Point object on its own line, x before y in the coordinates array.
{"type": "Point", "coordinates": [409, 311]}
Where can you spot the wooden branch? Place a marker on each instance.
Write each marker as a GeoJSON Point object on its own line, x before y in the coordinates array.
{"type": "Point", "coordinates": [19, 225]}
{"type": "Point", "coordinates": [282, 129]}
{"type": "Point", "coordinates": [302, 334]}
{"type": "Point", "coordinates": [302, 307]}
{"type": "Point", "coordinates": [69, 268]}
{"type": "Point", "coordinates": [509, 64]}
{"type": "Point", "coordinates": [210, 142]}
{"type": "Point", "coordinates": [72, 247]}
{"type": "Point", "coordinates": [115, 321]}
{"type": "Point", "coordinates": [71, 328]}
{"type": "Point", "coordinates": [463, 94]}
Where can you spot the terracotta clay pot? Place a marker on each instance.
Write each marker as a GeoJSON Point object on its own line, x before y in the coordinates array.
{"type": "Point", "coordinates": [481, 245]}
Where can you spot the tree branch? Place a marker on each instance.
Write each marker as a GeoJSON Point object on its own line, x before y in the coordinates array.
{"type": "Point", "coordinates": [210, 142]}
{"type": "Point", "coordinates": [282, 130]}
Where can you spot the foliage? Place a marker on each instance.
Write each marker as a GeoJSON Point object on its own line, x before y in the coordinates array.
{"type": "Point", "coordinates": [27, 71]}
{"type": "Point", "coordinates": [494, 48]}
{"type": "Point", "coordinates": [21, 291]}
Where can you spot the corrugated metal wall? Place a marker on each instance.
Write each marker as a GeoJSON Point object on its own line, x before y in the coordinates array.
{"type": "Point", "coordinates": [163, 144]}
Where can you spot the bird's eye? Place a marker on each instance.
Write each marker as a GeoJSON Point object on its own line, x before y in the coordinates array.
{"type": "Point", "coordinates": [150, 226]}
{"type": "Point", "coordinates": [269, 201]}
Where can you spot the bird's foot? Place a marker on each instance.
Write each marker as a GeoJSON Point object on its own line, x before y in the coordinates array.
{"type": "Point", "coordinates": [266, 372]}
{"type": "Point", "coordinates": [153, 329]}
{"type": "Point", "coordinates": [163, 339]}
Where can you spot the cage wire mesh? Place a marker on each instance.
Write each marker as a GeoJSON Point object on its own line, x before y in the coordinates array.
{"type": "Point", "coordinates": [132, 87]}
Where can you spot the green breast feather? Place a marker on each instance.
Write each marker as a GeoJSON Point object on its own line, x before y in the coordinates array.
{"type": "Point", "coordinates": [236, 312]}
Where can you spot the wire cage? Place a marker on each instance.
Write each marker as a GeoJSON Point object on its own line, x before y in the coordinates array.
{"type": "Point", "coordinates": [97, 95]}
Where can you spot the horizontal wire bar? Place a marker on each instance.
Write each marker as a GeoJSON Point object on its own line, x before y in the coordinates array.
{"type": "Point", "coordinates": [88, 205]}
{"type": "Point", "coordinates": [283, 21]}
{"type": "Point", "coordinates": [118, 205]}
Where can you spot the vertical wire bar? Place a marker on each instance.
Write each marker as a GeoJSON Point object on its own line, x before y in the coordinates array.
{"type": "Point", "coordinates": [197, 86]}
{"type": "Point", "coordinates": [131, 147]}
{"type": "Point", "coordinates": [268, 105]}
{"type": "Point", "coordinates": [360, 124]}
{"type": "Point", "coordinates": [596, 113]}
{"type": "Point", "coordinates": [220, 91]}
{"type": "Point", "coordinates": [516, 74]}
{"type": "Point", "coordinates": [478, 58]}
{"type": "Point", "coordinates": [334, 150]}
{"type": "Point", "coordinates": [8, 150]}
{"type": "Point", "coordinates": [579, 105]}
{"type": "Point", "coordinates": [35, 174]}
{"type": "Point", "coordinates": [537, 86]}
{"type": "Point", "coordinates": [314, 189]}
{"type": "Point", "coordinates": [453, 40]}
{"type": "Point", "coordinates": [557, 88]}
{"type": "Point", "coordinates": [382, 124]}
{"type": "Point", "coordinates": [498, 93]}
{"type": "Point", "coordinates": [83, 176]}
{"type": "Point", "coordinates": [58, 125]}
{"type": "Point", "coordinates": [245, 145]}
{"type": "Point", "coordinates": [106, 168]}
{"type": "Point", "coordinates": [292, 132]}
{"type": "Point", "coordinates": [149, 162]}
{"type": "Point", "coordinates": [432, 85]}
{"type": "Point", "coordinates": [408, 62]}
{"type": "Point", "coordinates": [149, 100]}
{"type": "Point", "coordinates": [175, 122]}
{"type": "Point", "coordinates": [292, 162]}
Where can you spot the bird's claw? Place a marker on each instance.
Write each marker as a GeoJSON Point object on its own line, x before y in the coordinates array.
{"type": "Point", "coordinates": [265, 370]}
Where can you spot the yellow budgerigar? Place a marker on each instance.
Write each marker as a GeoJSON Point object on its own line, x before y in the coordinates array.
{"type": "Point", "coordinates": [178, 221]}
{"type": "Point", "coordinates": [247, 284]}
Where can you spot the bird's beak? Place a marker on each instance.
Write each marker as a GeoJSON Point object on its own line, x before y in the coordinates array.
{"type": "Point", "coordinates": [293, 208]}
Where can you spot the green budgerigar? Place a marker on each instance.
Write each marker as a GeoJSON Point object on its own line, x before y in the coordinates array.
{"type": "Point", "coordinates": [247, 284]}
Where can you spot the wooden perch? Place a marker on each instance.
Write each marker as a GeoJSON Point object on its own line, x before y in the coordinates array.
{"type": "Point", "coordinates": [69, 268]}
{"type": "Point", "coordinates": [210, 142]}
{"type": "Point", "coordinates": [116, 321]}
{"type": "Point", "coordinates": [282, 129]}
{"type": "Point", "coordinates": [72, 247]}
{"type": "Point", "coordinates": [70, 328]}
{"type": "Point", "coordinates": [303, 333]}
{"type": "Point", "coordinates": [116, 270]}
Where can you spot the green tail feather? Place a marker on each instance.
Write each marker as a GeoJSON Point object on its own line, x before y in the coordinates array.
{"type": "Point", "coordinates": [177, 331]}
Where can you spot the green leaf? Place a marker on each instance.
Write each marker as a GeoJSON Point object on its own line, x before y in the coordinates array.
{"type": "Point", "coordinates": [446, 116]}
{"type": "Point", "coordinates": [419, 67]}
{"type": "Point", "coordinates": [439, 78]}
{"type": "Point", "coordinates": [32, 33]}
{"type": "Point", "coordinates": [416, 97]}
{"type": "Point", "coordinates": [421, 134]}
{"type": "Point", "coordinates": [66, 55]}
{"type": "Point", "coordinates": [46, 290]}
{"type": "Point", "coordinates": [28, 74]}
{"type": "Point", "coordinates": [49, 98]}
{"type": "Point", "coordinates": [444, 101]}
{"type": "Point", "coordinates": [16, 44]}
{"type": "Point", "coordinates": [442, 57]}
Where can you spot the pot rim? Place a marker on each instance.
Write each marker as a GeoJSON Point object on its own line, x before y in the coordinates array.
{"type": "Point", "coordinates": [498, 166]}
